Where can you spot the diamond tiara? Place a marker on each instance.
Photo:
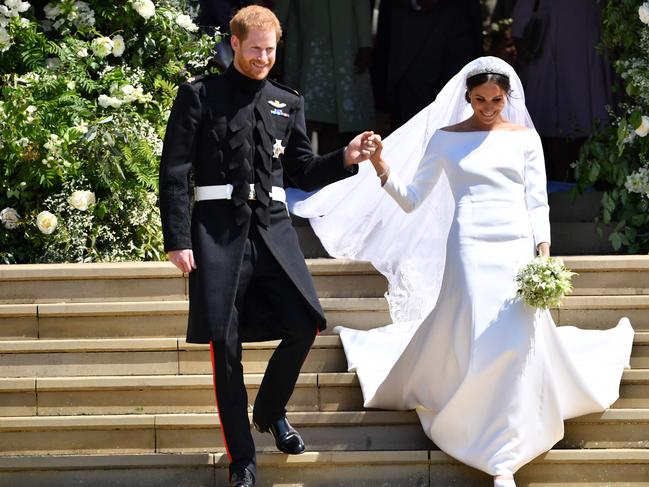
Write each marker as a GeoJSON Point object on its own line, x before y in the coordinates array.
{"type": "Point", "coordinates": [490, 65]}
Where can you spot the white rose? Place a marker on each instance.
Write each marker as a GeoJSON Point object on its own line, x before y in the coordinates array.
{"type": "Point", "coordinates": [102, 46]}
{"type": "Point", "coordinates": [643, 13]}
{"type": "Point", "coordinates": [9, 218]}
{"type": "Point", "coordinates": [83, 52]}
{"type": "Point", "coordinates": [5, 39]}
{"type": "Point", "coordinates": [81, 199]}
{"type": "Point", "coordinates": [145, 8]}
{"type": "Point", "coordinates": [118, 45]}
{"type": "Point", "coordinates": [46, 222]}
{"type": "Point", "coordinates": [643, 129]}
{"type": "Point", "coordinates": [186, 23]}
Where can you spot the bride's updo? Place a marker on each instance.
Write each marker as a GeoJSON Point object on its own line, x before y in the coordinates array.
{"type": "Point", "coordinates": [482, 78]}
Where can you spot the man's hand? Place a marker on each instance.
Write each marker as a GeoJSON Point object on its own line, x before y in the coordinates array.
{"type": "Point", "coordinates": [360, 149]}
{"type": "Point", "coordinates": [183, 259]}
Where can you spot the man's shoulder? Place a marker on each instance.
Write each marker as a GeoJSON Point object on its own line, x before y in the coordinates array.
{"type": "Point", "coordinates": [204, 80]}
{"type": "Point", "coordinates": [278, 87]}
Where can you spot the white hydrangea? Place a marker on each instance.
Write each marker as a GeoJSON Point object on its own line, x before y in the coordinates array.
{"type": "Point", "coordinates": [186, 23]}
{"type": "Point", "coordinates": [53, 62]}
{"type": "Point", "coordinates": [102, 46]}
{"type": "Point", "coordinates": [83, 52]}
{"type": "Point", "coordinates": [52, 11]}
{"type": "Point", "coordinates": [53, 145]}
{"type": "Point", "coordinates": [118, 45]}
{"type": "Point", "coordinates": [9, 218]}
{"type": "Point", "coordinates": [145, 8]}
{"type": "Point", "coordinates": [643, 12]}
{"type": "Point", "coordinates": [81, 199]}
{"type": "Point", "coordinates": [132, 93]}
{"type": "Point", "coordinates": [109, 101]}
{"type": "Point", "coordinates": [46, 222]}
{"type": "Point", "coordinates": [643, 129]}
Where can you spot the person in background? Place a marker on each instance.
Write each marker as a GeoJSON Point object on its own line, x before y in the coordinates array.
{"type": "Point", "coordinates": [326, 57]}
{"type": "Point", "coordinates": [428, 41]}
{"type": "Point", "coordinates": [567, 81]}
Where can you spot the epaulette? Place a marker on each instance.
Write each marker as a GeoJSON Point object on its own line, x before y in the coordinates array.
{"type": "Point", "coordinates": [201, 77]}
{"type": "Point", "coordinates": [283, 87]}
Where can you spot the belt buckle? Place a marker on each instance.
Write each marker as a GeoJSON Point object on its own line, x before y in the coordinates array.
{"type": "Point", "coordinates": [252, 193]}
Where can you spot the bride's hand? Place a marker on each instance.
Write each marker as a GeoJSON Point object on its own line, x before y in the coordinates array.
{"type": "Point", "coordinates": [543, 249]}
{"type": "Point", "coordinates": [375, 144]}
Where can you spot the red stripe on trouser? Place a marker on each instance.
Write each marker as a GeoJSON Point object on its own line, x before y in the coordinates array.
{"type": "Point", "coordinates": [218, 409]}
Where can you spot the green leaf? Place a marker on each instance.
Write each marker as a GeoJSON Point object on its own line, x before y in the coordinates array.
{"type": "Point", "coordinates": [616, 240]}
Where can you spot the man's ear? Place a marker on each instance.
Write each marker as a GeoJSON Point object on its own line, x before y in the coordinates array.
{"type": "Point", "coordinates": [234, 42]}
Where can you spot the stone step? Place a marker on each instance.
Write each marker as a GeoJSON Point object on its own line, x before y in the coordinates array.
{"type": "Point", "coordinates": [169, 318]}
{"type": "Point", "coordinates": [171, 356]}
{"type": "Point", "coordinates": [147, 281]}
{"type": "Point", "coordinates": [326, 431]}
{"type": "Point", "coordinates": [171, 394]}
{"type": "Point", "coordinates": [158, 281]}
{"type": "Point", "coordinates": [556, 468]}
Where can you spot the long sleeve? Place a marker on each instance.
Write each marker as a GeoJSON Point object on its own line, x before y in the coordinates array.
{"type": "Point", "coordinates": [308, 171]}
{"type": "Point", "coordinates": [410, 196]}
{"type": "Point", "coordinates": [536, 195]}
{"type": "Point", "coordinates": [175, 167]}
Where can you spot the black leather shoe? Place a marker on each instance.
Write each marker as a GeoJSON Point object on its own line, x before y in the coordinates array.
{"type": "Point", "coordinates": [242, 479]}
{"type": "Point", "coordinates": [287, 439]}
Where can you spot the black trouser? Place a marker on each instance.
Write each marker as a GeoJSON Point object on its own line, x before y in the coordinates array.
{"type": "Point", "coordinates": [297, 328]}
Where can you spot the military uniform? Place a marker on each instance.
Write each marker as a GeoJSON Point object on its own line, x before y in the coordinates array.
{"type": "Point", "coordinates": [232, 137]}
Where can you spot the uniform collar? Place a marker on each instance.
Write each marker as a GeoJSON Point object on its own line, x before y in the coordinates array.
{"type": "Point", "coordinates": [242, 81]}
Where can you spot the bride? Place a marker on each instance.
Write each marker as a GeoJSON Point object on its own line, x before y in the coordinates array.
{"type": "Point", "coordinates": [491, 379]}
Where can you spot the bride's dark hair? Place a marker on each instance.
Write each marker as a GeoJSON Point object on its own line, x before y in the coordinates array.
{"type": "Point", "coordinates": [481, 78]}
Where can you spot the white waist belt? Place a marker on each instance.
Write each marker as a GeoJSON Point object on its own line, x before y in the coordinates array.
{"type": "Point", "coordinates": [224, 192]}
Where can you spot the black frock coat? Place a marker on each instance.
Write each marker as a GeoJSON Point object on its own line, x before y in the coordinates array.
{"type": "Point", "coordinates": [210, 140]}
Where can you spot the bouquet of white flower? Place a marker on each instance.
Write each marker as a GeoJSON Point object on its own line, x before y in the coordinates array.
{"type": "Point", "coordinates": [544, 282]}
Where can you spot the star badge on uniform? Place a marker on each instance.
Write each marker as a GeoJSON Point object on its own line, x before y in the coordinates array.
{"type": "Point", "coordinates": [278, 148]}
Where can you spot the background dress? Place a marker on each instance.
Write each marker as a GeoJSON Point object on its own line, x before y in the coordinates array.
{"type": "Point", "coordinates": [491, 379]}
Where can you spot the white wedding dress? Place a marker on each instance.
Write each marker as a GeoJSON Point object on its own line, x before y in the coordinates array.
{"type": "Point", "coordinates": [491, 378]}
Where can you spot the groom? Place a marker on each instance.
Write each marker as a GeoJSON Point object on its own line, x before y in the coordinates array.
{"type": "Point", "coordinates": [238, 136]}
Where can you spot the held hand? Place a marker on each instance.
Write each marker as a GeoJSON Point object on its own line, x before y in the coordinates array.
{"type": "Point", "coordinates": [182, 259]}
{"type": "Point", "coordinates": [359, 149]}
{"type": "Point", "coordinates": [543, 249]}
{"type": "Point", "coordinates": [376, 145]}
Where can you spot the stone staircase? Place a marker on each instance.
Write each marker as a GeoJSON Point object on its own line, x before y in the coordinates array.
{"type": "Point", "coordinates": [99, 388]}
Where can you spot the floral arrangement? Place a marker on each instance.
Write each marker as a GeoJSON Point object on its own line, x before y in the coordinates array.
{"type": "Point", "coordinates": [614, 160]}
{"type": "Point", "coordinates": [494, 32]}
{"type": "Point", "coordinates": [544, 282]}
{"type": "Point", "coordinates": [86, 91]}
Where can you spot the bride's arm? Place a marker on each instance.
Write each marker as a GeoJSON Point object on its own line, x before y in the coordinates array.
{"type": "Point", "coordinates": [410, 196]}
{"type": "Point", "coordinates": [536, 196]}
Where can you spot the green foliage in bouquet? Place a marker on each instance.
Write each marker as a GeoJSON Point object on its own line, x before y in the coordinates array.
{"type": "Point", "coordinates": [615, 159]}
{"type": "Point", "coordinates": [544, 282]}
{"type": "Point", "coordinates": [86, 92]}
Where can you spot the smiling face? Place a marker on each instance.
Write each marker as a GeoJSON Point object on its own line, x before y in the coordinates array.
{"type": "Point", "coordinates": [255, 55]}
{"type": "Point", "coordinates": [488, 101]}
